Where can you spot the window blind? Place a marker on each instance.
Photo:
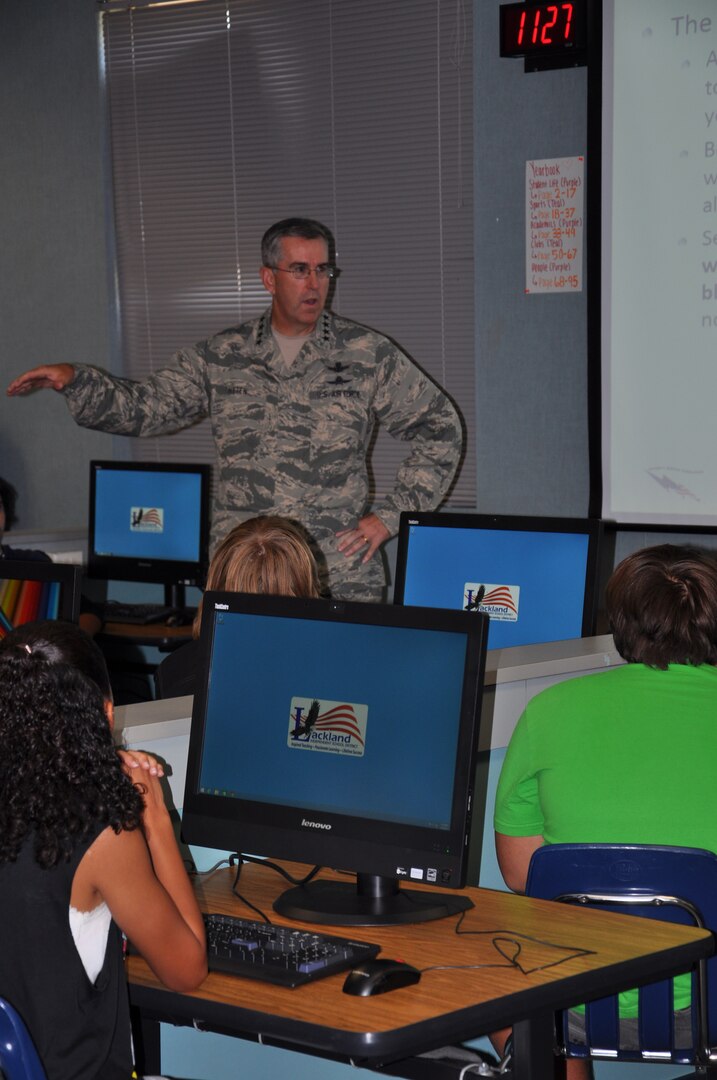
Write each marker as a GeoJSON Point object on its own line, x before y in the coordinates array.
{"type": "Point", "coordinates": [226, 115]}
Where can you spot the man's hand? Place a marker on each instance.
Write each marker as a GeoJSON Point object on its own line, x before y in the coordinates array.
{"type": "Point", "coordinates": [45, 377]}
{"type": "Point", "coordinates": [370, 531]}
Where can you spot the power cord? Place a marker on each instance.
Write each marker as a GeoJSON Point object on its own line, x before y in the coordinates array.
{"type": "Point", "coordinates": [238, 859]}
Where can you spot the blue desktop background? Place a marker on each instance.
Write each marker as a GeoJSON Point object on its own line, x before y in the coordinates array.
{"type": "Point", "coordinates": [178, 494]}
{"type": "Point", "coordinates": [411, 681]}
{"type": "Point", "coordinates": [549, 567]}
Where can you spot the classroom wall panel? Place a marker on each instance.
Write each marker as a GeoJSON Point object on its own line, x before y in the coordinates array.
{"type": "Point", "coordinates": [531, 351]}
{"type": "Point", "coordinates": [53, 255]}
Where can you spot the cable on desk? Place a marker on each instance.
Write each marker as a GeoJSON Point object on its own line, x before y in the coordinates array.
{"type": "Point", "coordinates": [240, 859]}
{"type": "Point", "coordinates": [211, 871]}
{"type": "Point", "coordinates": [500, 939]}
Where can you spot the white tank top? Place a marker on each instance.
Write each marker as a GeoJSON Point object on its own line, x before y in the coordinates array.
{"type": "Point", "coordinates": [90, 930]}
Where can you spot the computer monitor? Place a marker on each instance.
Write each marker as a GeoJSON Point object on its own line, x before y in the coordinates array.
{"type": "Point", "coordinates": [149, 522]}
{"type": "Point", "coordinates": [535, 577]}
{"type": "Point", "coordinates": [32, 589]}
{"type": "Point", "coordinates": [342, 734]}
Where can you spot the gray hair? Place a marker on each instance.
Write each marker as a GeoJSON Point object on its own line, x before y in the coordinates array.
{"type": "Point", "coordinates": [306, 228]}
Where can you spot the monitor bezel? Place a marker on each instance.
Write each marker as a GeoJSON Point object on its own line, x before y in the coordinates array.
{"type": "Point", "coordinates": [231, 824]}
{"type": "Point", "coordinates": [159, 571]}
{"type": "Point", "coordinates": [68, 575]}
{"type": "Point", "coordinates": [593, 528]}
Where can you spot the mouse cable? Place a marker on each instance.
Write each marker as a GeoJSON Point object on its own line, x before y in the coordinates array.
{"type": "Point", "coordinates": [512, 934]}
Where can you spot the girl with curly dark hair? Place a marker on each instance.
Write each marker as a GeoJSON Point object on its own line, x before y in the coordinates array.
{"type": "Point", "coordinates": [87, 850]}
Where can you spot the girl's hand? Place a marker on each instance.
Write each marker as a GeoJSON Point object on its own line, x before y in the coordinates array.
{"type": "Point", "coordinates": [136, 762]}
{"type": "Point", "coordinates": [145, 772]}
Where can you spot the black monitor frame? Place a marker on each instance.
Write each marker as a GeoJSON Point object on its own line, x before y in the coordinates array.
{"type": "Point", "coordinates": [374, 849]}
{"type": "Point", "coordinates": [68, 576]}
{"type": "Point", "coordinates": [168, 572]}
{"type": "Point", "coordinates": [591, 527]}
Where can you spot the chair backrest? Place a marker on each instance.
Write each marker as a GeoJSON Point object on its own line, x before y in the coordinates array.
{"type": "Point", "coordinates": [18, 1056]}
{"type": "Point", "coordinates": [668, 883]}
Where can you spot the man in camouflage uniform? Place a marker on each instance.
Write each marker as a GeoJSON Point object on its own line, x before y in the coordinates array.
{"type": "Point", "coordinates": [293, 397]}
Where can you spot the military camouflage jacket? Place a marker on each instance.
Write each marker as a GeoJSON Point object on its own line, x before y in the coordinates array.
{"type": "Point", "coordinates": [291, 440]}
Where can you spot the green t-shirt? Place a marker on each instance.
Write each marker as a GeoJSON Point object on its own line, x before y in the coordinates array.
{"type": "Point", "coordinates": [628, 756]}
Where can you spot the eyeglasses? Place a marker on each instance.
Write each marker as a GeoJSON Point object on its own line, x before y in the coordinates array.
{"type": "Point", "coordinates": [302, 270]}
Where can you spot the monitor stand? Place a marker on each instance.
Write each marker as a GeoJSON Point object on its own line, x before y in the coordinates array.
{"type": "Point", "coordinates": [175, 597]}
{"type": "Point", "coordinates": [371, 901]}
{"type": "Point", "coordinates": [175, 600]}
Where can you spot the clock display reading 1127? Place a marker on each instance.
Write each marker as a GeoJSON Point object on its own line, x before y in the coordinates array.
{"type": "Point", "coordinates": [542, 29]}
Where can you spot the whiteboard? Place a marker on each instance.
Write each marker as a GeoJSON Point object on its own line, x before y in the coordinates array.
{"type": "Point", "coordinates": [659, 265]}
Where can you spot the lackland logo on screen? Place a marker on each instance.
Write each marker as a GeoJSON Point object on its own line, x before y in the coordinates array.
{"type": "Point", "coordinates": [335, 727]}
{"type": "Point", "coordinates": [146, 519]}
{"type": "Point", "coordinates": [501, 602]}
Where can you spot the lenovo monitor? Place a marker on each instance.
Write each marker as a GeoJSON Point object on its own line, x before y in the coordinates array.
{"type": "Point", "coordinates": [149, 522]}
{"type": "Point", "coordinates": [536, 578]}
{"type": "Point", "coordinates": [342, 734]}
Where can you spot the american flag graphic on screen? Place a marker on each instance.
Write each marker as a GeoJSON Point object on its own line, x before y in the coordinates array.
{"type": "Point", "coordinates": [146, 519]}
{"type": "Point", "coordinates": [501, 602]}
{"type": "Point", "coordinates": [335, 727]}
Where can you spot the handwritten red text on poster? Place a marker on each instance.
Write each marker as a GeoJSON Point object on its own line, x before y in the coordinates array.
{"type": "Point", "coordinates": [554, 225]}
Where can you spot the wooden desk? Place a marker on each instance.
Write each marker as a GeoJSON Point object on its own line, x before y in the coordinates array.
{"type": "Point", "coordinates": [538, 957]}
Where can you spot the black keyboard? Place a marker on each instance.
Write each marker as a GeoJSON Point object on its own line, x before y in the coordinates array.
{"type": "Point", "coordinates": [137, 614]}
{"type": "Point", "coordinates": [278, 954]}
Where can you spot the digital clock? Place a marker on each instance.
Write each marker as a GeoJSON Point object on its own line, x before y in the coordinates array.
{"type": "Point", "coordinates": [556, 31]}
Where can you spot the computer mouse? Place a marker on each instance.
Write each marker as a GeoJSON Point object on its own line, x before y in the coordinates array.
{"type": "Point", "coordinates": [378, 976]}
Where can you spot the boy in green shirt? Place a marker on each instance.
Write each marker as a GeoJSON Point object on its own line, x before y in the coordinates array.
{"type": "Point", "coordinates": [626, 756]}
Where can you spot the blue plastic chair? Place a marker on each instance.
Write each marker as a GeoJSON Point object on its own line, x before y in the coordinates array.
{"type": "Point", "coordinates": [668, 883]}
{"type": "Point", "coordinates": [18, 1056]}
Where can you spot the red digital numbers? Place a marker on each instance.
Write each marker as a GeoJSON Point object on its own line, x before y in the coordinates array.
{"type": "Point", "coordinates": [552, 12]}
{"type": "Point", "coordinates": [542, 21]}
{"type": "Point", "coordinates": [556, 31]}
{"type": "Point", "coordinates": [568, 9]}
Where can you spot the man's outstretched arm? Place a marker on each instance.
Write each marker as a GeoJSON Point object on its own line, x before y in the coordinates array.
{"type": "Point", "coordinates": [44, 377]}
{"type": "Point", "coordinates": [166, 401]}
